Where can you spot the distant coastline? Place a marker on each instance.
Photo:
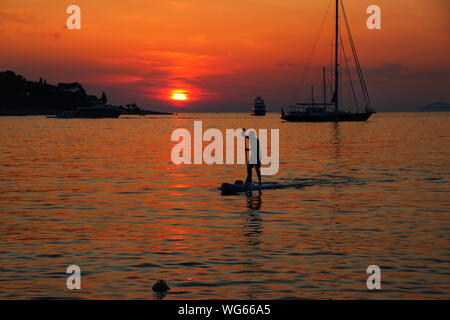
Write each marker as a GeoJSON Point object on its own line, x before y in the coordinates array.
{"type": "Point", "coordinates": [435, 107]}
{"type": "Point", "coordinates": [21, 97]}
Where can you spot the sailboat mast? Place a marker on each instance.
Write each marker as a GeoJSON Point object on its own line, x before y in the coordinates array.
{"type": "Point", "coordinates": [336, 56]}
{"type": "Point", "coordinates": [324, 88]}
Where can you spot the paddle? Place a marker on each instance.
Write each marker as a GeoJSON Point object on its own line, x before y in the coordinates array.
{"type": "Point", "coordinates": [246, 151]}
{"type": "Point", "coordinates": [245, 147]}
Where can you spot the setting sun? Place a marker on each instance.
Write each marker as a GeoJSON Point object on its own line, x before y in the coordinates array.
{"type": "Point", "coordinates": [179, 96]}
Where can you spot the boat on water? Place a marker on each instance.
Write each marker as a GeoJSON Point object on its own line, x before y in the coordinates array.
{"type": "Point", "coordinates": [93, 112]}
{"type": "Point", "coordinates": [259, 108]}
{"type": "Point", "coordinates": [236, 188]}
{"type": "Point", "coordinates": [333, 110]}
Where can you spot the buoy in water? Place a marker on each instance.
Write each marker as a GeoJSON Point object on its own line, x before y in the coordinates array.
{"type": "Point", "coordinates": [160, 286]}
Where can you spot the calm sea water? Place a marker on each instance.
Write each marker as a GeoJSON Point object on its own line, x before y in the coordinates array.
{"type": "Point", "coordinates": [104, 195]}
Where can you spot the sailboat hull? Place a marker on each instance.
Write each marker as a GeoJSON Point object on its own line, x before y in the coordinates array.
{"type": "Point", "coordinates": [325, 116]}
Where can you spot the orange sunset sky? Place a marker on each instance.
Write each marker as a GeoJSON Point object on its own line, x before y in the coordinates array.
{"type": "Point", "coordinates": [221, 54]}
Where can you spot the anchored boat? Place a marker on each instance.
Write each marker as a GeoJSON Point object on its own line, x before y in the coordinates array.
{"type": "Point", "coordinates": [259, 108]}
{"type": "Point", "coordinates": [333, 110]}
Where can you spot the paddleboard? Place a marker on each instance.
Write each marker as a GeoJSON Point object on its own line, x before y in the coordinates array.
{"type": "Point", "coordinates": [233, 188]}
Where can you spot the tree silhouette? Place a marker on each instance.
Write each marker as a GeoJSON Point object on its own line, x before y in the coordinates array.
{"type": "Point", "coordinates": [104, 99]}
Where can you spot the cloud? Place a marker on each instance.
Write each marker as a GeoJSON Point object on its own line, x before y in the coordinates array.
{"type": "Point", "coordinates": [38, 34]}
{"type": "Point", "coordinates": [17, 17]}
{"type": "Point", "coordinates": [23, 21]}
{"type": "Point", "coordinates": [398, 71]}
{"type": "Point", "coordinates": [165, 71]}
{"type": "Point", "coordinates": [189, 65]}
{"type": "Point", "coordinates": [114, 79]}
{"type": "Point", "coordinates": [286, 64]}
{"type": "Point", "coordinates": [198, 38]}
{"type": "Point", "coordinates": [257, 45]}
{"type": "Point", "coordinates": [177, 5]}
{"type": "Point", "coordinates": [389, 70]}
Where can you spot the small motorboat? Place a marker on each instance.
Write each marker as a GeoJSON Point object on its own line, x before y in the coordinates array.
{"type": "Point", "coordinates": [259, 108]}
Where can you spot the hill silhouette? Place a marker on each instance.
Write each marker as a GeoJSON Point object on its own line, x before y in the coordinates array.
{"type": "Point", "coordinates": [436, 106]}
{"type": "Point", "coordinates": [19, 96]}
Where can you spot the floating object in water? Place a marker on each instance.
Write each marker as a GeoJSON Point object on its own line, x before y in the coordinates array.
{"type": "Point", "coordinates": [239, 186]}
{"type": "Point", "coordinates": [160, 286]}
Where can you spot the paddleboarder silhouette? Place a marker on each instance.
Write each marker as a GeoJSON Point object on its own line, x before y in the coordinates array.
{"type": "Point", "coordinates": [255, 157]}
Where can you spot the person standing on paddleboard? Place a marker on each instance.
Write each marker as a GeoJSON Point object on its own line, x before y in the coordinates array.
{"type": "Point", "coordinates": [255, 156]}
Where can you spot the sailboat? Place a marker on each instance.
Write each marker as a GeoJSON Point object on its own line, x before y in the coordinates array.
{"type": "Point", "coordinates": [332, 111]}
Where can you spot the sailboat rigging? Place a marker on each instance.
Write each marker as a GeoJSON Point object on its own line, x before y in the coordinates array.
{"type": "Point", "coordinates": [332, 111]}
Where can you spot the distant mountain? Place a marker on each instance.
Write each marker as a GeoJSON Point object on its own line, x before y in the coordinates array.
{"type": "Point", "coordinates": [19, 96]}
{"type": "Point", "coordinates": [436, 106]}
